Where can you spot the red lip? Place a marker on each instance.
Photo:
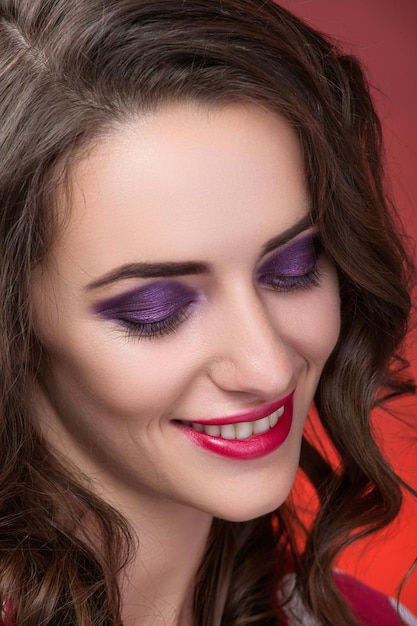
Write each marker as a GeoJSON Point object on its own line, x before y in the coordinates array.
{"type": "Point", "coordinates": [248, 416]}
{"type": "Point", "coordinates": [253, 447]}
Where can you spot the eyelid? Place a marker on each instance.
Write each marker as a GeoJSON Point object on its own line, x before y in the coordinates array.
{"type": "Point", "coordinates": [154, 302]}
{"type": "Point", "coordinates": [152, 330]}
{"type": "Point", "coordinates": [294, 259]}
{"type": "Point", "coordinates": [287, 272]}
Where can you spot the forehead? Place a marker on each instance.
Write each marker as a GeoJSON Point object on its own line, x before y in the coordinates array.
{"type": "Point", "coordinates": [182, 183]}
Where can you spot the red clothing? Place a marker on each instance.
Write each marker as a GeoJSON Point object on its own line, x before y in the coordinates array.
{"type": "Point", "coordinates": [370, 607]}
{"type": "Point", "coordinates": [374, 605]}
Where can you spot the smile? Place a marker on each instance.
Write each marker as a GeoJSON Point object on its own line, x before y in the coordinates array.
{"type": "Point", "coordinates": [246, 436]}
{"type": "Point", "coordinates": [241, 430]}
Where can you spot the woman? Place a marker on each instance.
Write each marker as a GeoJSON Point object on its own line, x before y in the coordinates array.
{"type": "Point", "coordinates": [196, 244]}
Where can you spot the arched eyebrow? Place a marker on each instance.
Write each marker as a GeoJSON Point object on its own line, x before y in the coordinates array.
{"type": "Point", "coordinates": [187, 268]}
{"type": "Point", "coordinates": [299, 227]}
{"type": "Point", "coordinates": [149, 270]}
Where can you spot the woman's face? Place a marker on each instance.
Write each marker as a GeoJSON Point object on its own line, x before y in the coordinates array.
{"type": "Point", "coordinates": [186, 294]}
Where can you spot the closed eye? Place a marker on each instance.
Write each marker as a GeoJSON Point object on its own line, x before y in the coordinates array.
{"type": "Point", "coordinates": [155, 309]}
{"type": "Point", "coordinates": [149, 330]}
{"type": "Point", "coordinates": [294, 267]}
{"type": "Point", "coordinates": [284, 283]}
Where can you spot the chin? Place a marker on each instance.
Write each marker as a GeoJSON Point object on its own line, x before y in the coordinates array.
{"type": "Point", "coordinates": [249, 508]}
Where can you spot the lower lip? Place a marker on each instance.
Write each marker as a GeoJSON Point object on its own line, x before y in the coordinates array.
{"type": "Point", "coordinates": [253, 447]}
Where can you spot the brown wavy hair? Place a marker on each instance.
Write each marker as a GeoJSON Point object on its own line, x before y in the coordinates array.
{"type": "Point", "coordinates": [70, 72]}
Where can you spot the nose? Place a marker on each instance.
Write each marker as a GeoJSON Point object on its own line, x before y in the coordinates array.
{"type": "Point", "coordinates": [251, 354]}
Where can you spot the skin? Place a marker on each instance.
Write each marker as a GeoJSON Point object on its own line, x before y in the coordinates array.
{"type": "Point", "coordinates": [184, 184]}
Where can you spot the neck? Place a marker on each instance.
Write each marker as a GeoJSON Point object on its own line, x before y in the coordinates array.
{"type": "Point", "coordinates": [157, 587]}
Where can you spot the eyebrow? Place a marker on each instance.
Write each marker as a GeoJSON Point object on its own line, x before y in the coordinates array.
{"type": "Point", "coordinates": [149, 270]}
{"type": "Point", "coordinates": [299, 227]}
{"type": "Point", "coordinates": [166, 269]}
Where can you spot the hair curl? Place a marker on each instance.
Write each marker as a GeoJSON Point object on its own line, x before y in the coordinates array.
{"type": "Point", "coordinates": [69, 72]}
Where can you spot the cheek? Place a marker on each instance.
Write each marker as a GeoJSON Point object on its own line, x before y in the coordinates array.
{"type": "Point", "coordinates": [115, 377]}
{"type": "Point", "coordinates": [309, 321]}
{"type": "Point", "coordinates": [95, 371]}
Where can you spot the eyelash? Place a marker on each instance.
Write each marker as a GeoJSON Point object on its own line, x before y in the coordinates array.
{"type": "Point", "coordinates": [279, 283]}
{"type": "Point", "coordinates": [287, 284]}
{"type": "Point", "coordinates": [152, 330]}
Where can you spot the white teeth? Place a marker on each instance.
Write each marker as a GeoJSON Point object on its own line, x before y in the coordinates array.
{"type": "Point", "coordinates": [212, 430]}
{"type": "Point", "coordinates": [261, 426]}
{"type": "Point", "coordinates": [242, 430]}
{"type": "Point", "coordinates": [228, 431]}
{"type": "Point", "coordinates": [273, 419]}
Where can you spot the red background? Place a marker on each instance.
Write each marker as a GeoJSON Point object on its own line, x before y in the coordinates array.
{"type": "Point", "coordinates": [383, 33]}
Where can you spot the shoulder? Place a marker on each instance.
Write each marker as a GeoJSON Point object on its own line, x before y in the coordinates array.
{"type": "Point", "coordinates": [371, 607]}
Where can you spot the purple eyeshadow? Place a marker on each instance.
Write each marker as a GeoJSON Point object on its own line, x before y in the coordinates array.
{"type": "Point", "coordinates": [148, 304]}
{"type": "Point", "coordinates": [297, 259]}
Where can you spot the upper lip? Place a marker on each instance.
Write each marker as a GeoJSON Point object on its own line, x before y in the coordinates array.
{"type": "Point", "coordinates": [248, 416]}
